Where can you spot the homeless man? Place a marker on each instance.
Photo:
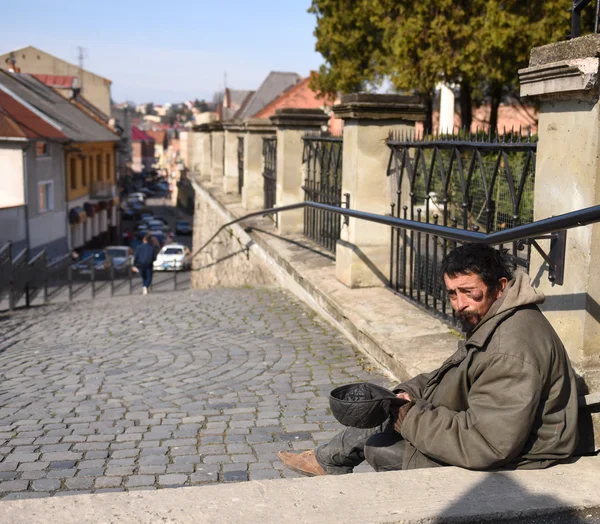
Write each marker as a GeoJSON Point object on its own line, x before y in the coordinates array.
{"type": "Point", "coordinates": [505, 399]}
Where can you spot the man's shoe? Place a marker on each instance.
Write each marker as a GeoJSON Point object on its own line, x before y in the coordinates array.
{"type": "Point", "coordinates": [144, 290]}
{"type": "Point", "coordinates": [304, 463]}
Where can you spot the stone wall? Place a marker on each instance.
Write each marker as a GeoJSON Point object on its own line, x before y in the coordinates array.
{"type": "Point", "coordinates": [231, 259]}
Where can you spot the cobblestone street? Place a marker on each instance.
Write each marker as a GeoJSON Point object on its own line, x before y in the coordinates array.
{"type": "Point", "coordinates": [166, 390]}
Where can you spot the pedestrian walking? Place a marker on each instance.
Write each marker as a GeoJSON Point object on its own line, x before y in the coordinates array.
{"type": "Point", "coordinates": [143, 259]}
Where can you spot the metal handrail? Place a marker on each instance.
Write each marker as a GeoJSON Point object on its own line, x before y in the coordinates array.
{"type": "Point", "coordinates": [546, 226]}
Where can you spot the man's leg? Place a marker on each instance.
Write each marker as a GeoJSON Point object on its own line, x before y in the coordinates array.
{"type": "Point", "coordinates": [384, 451]}
{"type": "Point", "coordinates": [339, 456]}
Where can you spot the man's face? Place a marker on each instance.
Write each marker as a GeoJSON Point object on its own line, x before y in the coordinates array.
{"type": "Point", "coordinates": [470, 298]}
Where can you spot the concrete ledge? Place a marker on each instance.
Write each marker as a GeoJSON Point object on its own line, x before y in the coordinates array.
{"type": "Point", "coordinates": [566, 493]}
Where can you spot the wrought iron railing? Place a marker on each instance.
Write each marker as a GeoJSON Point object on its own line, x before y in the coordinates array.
{"type": "Point", "coordinates": [322, 158]}
{"type": "Point", "coordinates": [577, 6]}
{"type": "Point", "coordinates": [5, 270]}
{"type": "Point", "coordinates": [472, 182]}
{"type": "Point", "coordinates": [240, 159]}
{"type": "Point", "coordinates": [24, 280]}
{"type": "Point", "coordinates": [270, 172]}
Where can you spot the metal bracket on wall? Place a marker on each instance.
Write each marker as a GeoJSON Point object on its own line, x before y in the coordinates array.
{"type": "Point", "coordinates": [555, 258]}
{"type": "Point", "coordinates": [347, 204]}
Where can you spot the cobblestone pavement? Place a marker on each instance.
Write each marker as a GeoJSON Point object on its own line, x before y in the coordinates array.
{"type": "Point", "coordinates": [166, 390]}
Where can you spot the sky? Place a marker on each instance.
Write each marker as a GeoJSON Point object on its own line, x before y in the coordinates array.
{"type": "Point", "coordinates": [169, 51]}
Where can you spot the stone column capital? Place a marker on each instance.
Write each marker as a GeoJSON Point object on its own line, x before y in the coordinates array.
{"type": "Point", "coordinates": [259, 125]}
{"type": "Point", "coordinates": [362, 106]}
{"type": "Point", "coordinates": [215, 126]}
{"type": "Point", "coordinates": [563, 70]}
{"type": "Point", "coordinates": [235, 126]}
{"type": "Point", "coordinates": [291, 118]}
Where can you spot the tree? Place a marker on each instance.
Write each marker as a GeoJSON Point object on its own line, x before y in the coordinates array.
{"type": "Point", "coordinates": [349, 36]}
{"type": "Point", "coordinates": [477, 44]}
{"type": "Point", "coordinates": [150, 109]}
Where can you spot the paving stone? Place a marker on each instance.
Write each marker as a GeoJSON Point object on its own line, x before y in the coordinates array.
{"type": "Point", "coordinates": [45, 485]}
{"type": "Point", "coordinates": [167, 480]}
{"type": "Point", "coordinates": [107, 482]}
{"type": "Point", "coordinates": [235, 476]}
{"type": "Point", "coordinates": [139, 480]}
{"type": "Point", "coordinates": [61, 473]}
{"type": "Point", "coordinates": [23, 457]}
{"type": "Point", "coordinates": [79, 483]}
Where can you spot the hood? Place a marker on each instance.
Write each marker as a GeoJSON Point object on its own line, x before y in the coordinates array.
{"type": "Point", "coordinates": [518, 293]}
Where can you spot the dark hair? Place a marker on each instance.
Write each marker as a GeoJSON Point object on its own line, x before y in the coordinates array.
{"type": "Point", "coordinates": [147, 237]}
{"type": "Point", "coordinates": [489, 263]}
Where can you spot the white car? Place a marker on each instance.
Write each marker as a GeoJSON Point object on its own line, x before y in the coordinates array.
{"type": "Point", "coordinates": [173, 257]}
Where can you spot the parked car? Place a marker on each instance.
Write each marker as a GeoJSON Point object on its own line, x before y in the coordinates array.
{"type": "Point", "coordinates": [146, 191]}
{"type": "Point", "coordinates": [122, 256]}
{"type": "Point", "coordinates": [157, 225]}
{"type": "Point", "coordinates": [88, 258]}
{"type": "Point", "coordinates": [141, 197]}
{"type": "Point", "coordinates": [128, 213]}
{"type": "Point", "coordinates": [146, 216]}
{"type": "Point", "coordinates": [183, 227]}
{"type": "Point", "coordinates": [173, 257]}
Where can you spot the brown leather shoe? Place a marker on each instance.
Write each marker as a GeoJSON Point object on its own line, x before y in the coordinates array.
{"type": "Point", "coordinates": [304, 463]}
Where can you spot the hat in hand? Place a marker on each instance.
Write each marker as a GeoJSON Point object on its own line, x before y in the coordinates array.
{"type": "Point", "coordinates": [363, 405]}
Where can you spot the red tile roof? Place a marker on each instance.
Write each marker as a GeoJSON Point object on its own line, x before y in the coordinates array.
{"type": "Point", "coordinates": [18, 121]}
{"type": "Point", "coordinates": [137, 135]}
{"type": "Point", "coordinates": [60, 81]}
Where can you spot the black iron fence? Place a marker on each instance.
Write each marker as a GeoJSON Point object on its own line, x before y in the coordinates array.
{"type": "Point", "coordinates": [240, 159]}
{"type": "Point", "coordinates": [322, 158]}
{"type": "Point", "coordinates": [473, 182]}
{"type": "Point", "coordinates": [26, 282]}
{"type": "Point", "coordinates": [270, 172]}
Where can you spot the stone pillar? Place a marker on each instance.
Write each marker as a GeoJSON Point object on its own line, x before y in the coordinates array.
{"type": "Point", "coordinates": [363, 251]}
{"type": "Point", "coordinates": [205, 150]}
{"type": "Point", "coordinates": [232, 130]}
{"type": "Point", "coordinates": [292, 125]}
{"type": "Point", "coordinates": [217, 153]}
{"type": "Point", "coordinates": [253, 191]}
{"type": "Point", "coordinates": [564, 78]}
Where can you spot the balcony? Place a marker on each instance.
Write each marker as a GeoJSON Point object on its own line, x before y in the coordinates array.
{"type": "Point", "coordinates": [100, 190]}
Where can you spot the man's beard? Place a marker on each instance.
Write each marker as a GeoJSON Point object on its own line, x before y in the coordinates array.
{"type": "Point", "coordinates": [468, 320]}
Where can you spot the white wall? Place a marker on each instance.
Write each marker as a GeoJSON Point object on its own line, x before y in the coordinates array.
{"type": "Point", "coordinates": [11, 176]}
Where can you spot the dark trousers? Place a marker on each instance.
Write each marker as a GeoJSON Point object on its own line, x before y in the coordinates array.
{"type": "Point", "coordinates": [146, 274]}
{"type": "Point", "coordinates": [381, 447]}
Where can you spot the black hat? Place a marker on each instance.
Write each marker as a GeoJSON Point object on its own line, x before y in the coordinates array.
{"type": "Point", "coordinates": [363, 405]}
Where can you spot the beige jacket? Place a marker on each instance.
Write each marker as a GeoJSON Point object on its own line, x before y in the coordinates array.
{"type": "Point", "coordinates": [505, 399]}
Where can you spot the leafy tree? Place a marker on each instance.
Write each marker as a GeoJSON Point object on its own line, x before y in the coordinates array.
{"type": "Point", "coordinates": [477, 44]}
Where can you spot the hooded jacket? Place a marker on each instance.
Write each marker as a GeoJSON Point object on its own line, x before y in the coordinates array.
{"type": "Point", "coordinates": [505, 399]}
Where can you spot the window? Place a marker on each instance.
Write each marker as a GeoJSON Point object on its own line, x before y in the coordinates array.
{"type": "Point", "coordinates": [45, 196]}
{"type": "Point", "coordinates": [84, 166]}
{"type": "Point", "coordinates": [99, 167]}
{"type": "Point", "coordinates": [73, 173]}
{"type": "Point", "coordinates": [41, 148]}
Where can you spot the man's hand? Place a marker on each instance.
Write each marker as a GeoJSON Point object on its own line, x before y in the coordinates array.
{"type": "Point", "coordinates": [401, 411]}
{"type": "Point", "coordinates": [404, 395]}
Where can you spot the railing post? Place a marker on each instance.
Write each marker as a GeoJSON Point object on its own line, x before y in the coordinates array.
{"type": "Point", "coordinates": [363, 251]}
{"type": "Point", "coordinates": [70, 275]}
{"type": "Point", "coordinates": [175, 280]}
{"type": "Point", "coordinates": [112, 276]}
{"type": "Point", "coordinates": [564, 77]}
{"type": "Point", "coordinates": [292, 125]}
{"type": "Point", "coordinates": [230, 173]}
{"type": "Point", "coordinates": [252, 192]}
{"type": "Point", "coordinates": [93, 276]}
{"type": "Point", "coordinates": [45, 266]}
{"type": "Point", "coordinates": [130, 277]}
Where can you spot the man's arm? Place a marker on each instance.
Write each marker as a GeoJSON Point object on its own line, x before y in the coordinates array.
{"type": "Point", "coordinates": [503, 400]}
{"type": "Point", "coordinates": [415, 386]}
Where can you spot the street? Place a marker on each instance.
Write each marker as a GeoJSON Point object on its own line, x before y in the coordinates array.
{"type": "Point", "coordinates": [172, 389]}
